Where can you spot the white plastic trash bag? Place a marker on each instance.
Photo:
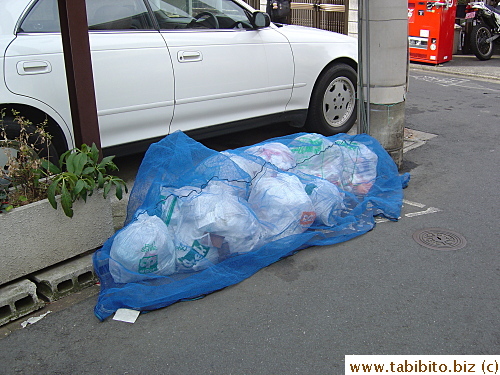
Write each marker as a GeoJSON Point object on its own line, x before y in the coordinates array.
{"type": "Point", "coordinates": [221, 170]}
{"type": "Point", "coordinates": [214, 210]}
{"type": "Point", "coordinates": [317, 156]}
{"type": "Point", "coordinates": [359, 167]}
{"type": "Point", "coordinates": [306, 146]}
{"type": "Point", "coordinates": [282, 205]}
{"type": "Point", "coordinates": [142, 248]}
{"type": "Point", "coordinates": [247, 164]}
{"type": "Point", "coordinates": [275, 153]}
{"type": "Point", "coordinates": [171, 200]}
{"type": "Point", "coordinates": [195, 253]}
{"type": "Point", "coordinates": [327, 200]}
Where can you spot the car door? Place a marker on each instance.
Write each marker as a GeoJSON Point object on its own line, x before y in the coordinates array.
{"type": "Point", "coordinates": [133, 74]}
{"type": "Point", "coordinates": [224, 69]}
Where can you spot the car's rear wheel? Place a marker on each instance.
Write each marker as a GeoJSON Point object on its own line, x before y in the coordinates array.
{"type": "Point", "coordinates": [332, 108]}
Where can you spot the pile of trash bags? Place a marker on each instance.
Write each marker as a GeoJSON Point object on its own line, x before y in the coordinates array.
{"type": "Point", "coordinates": [199, 220]}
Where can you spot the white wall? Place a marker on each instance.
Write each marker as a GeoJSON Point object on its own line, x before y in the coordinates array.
{"type": "Point", "coordinates": [353, 18]}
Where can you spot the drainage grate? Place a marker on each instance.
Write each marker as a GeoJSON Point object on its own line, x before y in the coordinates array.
{"type": "Point", "coordinates": [440, 239]}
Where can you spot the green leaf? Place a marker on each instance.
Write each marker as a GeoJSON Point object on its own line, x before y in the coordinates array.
{"type": "Point", "coordinates": [80, 161]}
{"type": "Point", "coordinates": [119, 191]}
{"type": "Point", "coordinates": [51, 194]}
{"type": "Point", "coordinates": [106, 160]}
{"type": "Point", "coordinates": [71, 179]}
{"type": "Point", "coordinates": [91, 184]}
{"type": "Point", "coordinates": [88, 170]}
{"type": "Point", "coordinates": [50, 167]}
{"type": "Point", "coordinates": [94, 152]}
{"type": "Point", "coordinates": [84, 194]}
{"type": "Point", "coordinates": [66, 202]}
{"type": "Point", "coordinates": [70, 166]}
{"type": "Point", "coordinates": [63, 157]}
{"type": "Point", "coordinates": [100, 180]}
{"type": "Point", "coordinates": [107, 189]}
{"type": "Point", "coordinates": [79, 186]}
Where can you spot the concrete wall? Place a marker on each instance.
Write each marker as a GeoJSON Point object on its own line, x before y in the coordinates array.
{"type": "Point", "coordinates": [353, 18]}
{"type": "Point", "coordinates": [36, 236]}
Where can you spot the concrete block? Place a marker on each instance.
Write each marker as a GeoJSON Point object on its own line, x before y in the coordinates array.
{"type": "Point", "coordinates": [65, 278]}
{"type": "Point", "coordinates": [18, 299]}
{"type": "Point", "coordinates": [36, 236]}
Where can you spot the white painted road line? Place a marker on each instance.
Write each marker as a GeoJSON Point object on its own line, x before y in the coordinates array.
{"type": "Point", "coordinates": [430, 210]}
{"type": "Point", "coordinates": [419, 205]}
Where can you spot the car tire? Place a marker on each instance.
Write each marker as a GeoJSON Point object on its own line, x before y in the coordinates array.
{"type": "Point", "coordinates": [332, 108]}
{"type": "Point", "coordinates": [12, 130]}
{"type": "Point", "coordinates": [479, 47]}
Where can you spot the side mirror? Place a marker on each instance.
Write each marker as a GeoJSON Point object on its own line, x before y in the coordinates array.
{"type": "Point", "coordinates": [260, 20]}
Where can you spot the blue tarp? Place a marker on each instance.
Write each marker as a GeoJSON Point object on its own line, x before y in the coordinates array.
{"type": "Point", "coordinates": [199, 220]}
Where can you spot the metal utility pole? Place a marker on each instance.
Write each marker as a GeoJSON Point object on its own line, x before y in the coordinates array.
{"type": "Point", "coordinates": [383, 72]}
{"type": "Point", "coordinates": [76, 47]}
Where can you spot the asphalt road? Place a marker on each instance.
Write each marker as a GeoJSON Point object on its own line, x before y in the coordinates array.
{"type": "Point", "coordinates": [382, 293]}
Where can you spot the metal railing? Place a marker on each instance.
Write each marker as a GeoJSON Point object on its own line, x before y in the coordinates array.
{"type": "Point", "coordinates": [332, 15]}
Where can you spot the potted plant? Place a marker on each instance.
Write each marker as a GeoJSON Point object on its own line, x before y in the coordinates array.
{"type": "Point", "coordinates": [49, 212]}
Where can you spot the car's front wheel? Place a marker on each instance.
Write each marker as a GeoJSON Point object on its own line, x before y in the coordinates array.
{"type": "Point", "coordinates": [332, 108]}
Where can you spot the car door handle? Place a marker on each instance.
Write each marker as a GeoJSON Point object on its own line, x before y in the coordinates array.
{"type": "Point", "coordinates": [33, 67]}
{"type": "Point", "coordinates": [189, 56]}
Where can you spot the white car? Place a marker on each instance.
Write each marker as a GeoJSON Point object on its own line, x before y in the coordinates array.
{"type": "Point", "coordinates": [201, 66]}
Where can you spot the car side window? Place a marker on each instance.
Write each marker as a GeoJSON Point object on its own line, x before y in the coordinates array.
{"type": "Point", "coordinates": [200, 14]}
{"type": "Point", "coordinates": [101, 15]}
{"type": "Point", "coordinates": [118, 15]}
{"type": "Point", "coordinates": [42, 18]}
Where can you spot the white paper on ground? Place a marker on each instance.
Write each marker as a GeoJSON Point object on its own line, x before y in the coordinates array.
{"type": "Point", "coordinates": [33, 320]}
{"type": "Point", "coordinates": [126, 315]}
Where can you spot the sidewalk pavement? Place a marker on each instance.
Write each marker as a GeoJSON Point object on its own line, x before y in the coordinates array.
{"type": "Point", "coordinates": [466, 65]}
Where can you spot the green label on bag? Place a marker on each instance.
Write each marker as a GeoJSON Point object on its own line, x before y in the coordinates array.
{"type": "Point", "coordinates": [348, 145]}
{"type": "Point", "coordinates": [196, 253]}
{"type": "Point", "coordinates": [170, 211]}
{"type": "Point", "coordinates": [149, 247]}
{"type": "Point", "coordinates": [310, 188]}
{"type": "Point", "coordinates": [148, 264]}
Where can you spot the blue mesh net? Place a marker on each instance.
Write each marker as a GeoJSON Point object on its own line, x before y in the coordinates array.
{"type": "Point", "coordinates": [199, 220]}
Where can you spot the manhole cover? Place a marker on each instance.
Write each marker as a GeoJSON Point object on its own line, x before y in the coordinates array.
{"type": "Point", "coordinates": [439, 239]}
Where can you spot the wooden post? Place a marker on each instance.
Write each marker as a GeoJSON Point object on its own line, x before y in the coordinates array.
{"type": "Point", "coordinates": [78, 62]}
